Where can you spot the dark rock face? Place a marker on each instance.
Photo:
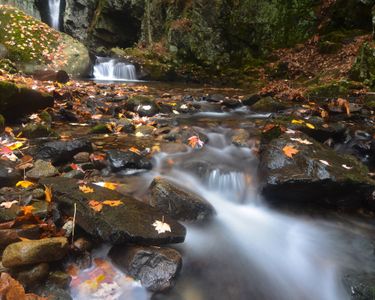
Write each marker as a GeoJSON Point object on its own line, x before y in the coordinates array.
{"type": "Point", "coordinates": [144, 106]}
{"type": "Point", "coordinates": [307, 179]}
{"type": "Point", "coordinates": [17, 101]}
{"type": "Point", "coordinates": [60, 151]}
{"type": "Point", "coordinates": [178, 202]}
{"type": "Point", "coordinates": [9, 176]}
{"type": "Point", "coordinates": [360, 286]}
{"type": "Point", "coordinates": [32, 276]}
{"type": "Point", "coordinates": [50, 75]}
{"type": "Point", "coordinates": [155, 267]}
{"type": "Point", "coordinates": [120, 160]}
{"type": "Point", "coordinates": [131, 222]}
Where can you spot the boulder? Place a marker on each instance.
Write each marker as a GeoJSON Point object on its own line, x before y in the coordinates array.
{"type": "Point", "coordinates": [34, 252]}
{"type": "Point", "coordinates": [315, 176]}
{"type": "Point", "coordinates": [121, 160]}
{"type": "Point", "coordinates": [268, 104]}
{"type": "Point", "coordinates": [9, 176]}
{"type": "Point", "coordinates": [131, 222]}
{"type": "Point", "coordinates": [17, 101]}
{"type": "Point", "coordinates": [61, 151]}
{"type": "Point", "coordinates": [37, 130]}
{"type": "Point", "coordinates": [144, 106]}
{"type": "Point", "coordinates": [178, 202]}
{"type": "Point", "coordinates": [32, 276]}
{"type": "Point", "coordinates": [50, 75]}
{"type": "Point", "coordinates": [155, 267]}
{"type": "Point", "coordinates": [42, 169]}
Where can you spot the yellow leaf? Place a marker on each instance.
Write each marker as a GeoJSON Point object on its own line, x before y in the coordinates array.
{"type": "Point", "coordinates": [290, 151]}
{"type": "Point", "coordinates": [311, 126]}
{"type": "Point", "coordinates": [48, 193]}
{"type": "Point", "coordinates": [24, 183]}
{"type": "Point", "coordinates": [298, 121]}
{"type": "Point", "coordinates": [27, 210]}
{"type": "Point", "coordinates": [15, 146]}
{"type": "Point", "coordinates": [86, 189]}
{"type": "Point", "coordinates": [96, 205]}
{"type": "Point", "coordinates": [112, 203]}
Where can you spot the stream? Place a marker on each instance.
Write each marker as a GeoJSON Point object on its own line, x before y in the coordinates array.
{"type": "Point", "coordinates": [249, 250]}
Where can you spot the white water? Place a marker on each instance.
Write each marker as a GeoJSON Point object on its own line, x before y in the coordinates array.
{"type": "Point", "coordinates": [54, 10]}
{"type": "Point", "coordinates": [113, 70]}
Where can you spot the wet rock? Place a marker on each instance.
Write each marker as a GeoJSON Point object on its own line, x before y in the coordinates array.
{"type": "Point", "coordinates": [50, 75]}
{"type": "Point", "coordinates": [42, 169]}
{"type": "Point", "coordinates": [9, 176]}
{"type": "Point", "coordinates": [144, 106]}
{"type": "Point", "coordinates": [77, 174]}
{"type": "Point", "coordinates": [128, 126]}
{"type": "Point", "coordinates": [34, 252]}
{"type": "Point", "coordinates": [10, 236]}
{"type": "Point", "coordinates": [59, 279]}
{"type": "Point", "coordinates": [251, 99]}
{"type": "Point", "coordinates": [60, 151]}
{"type": "Point", "coordinates": [360, 286]}
{"type": "Point", "coordinates": [216, 98]}
{"type": "Point", "coordinates": [231, 102]}
{"type": "Point", "coordinates": [120, 160]}
{"type": "Point", "coordinates": [144, 130]}
{"type": "Point", "coordinates": [83, 245]}
{"type": "Point", "coordinates": [178, 202]}
{"type": "Point", "coordinates": [32, 276]}
{"type": "Point", "coordinates": [127, 223]}
{"type": "Point", "coordinates": [241, 138]}
{"type": "Point", "coordinates": [18, 101]}
{"type": "Point", "coordinates": [82, 157]}
{"type": "Point", "coordinates": [268, 104]}
{"type": "Point", "coordinates": [32, 131]}
{"type": "Point", "coordinates": [100, 129]}
{"type": "Point", "coordinates": [9, 214]}
{"type": "Point", "coordinates": [155, 267]}
{"type": "Point", "coordinates": [315, 176]}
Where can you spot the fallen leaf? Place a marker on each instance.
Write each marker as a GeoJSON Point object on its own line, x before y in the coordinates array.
{"type": "Point", "coordinates": [113, 203]}
{"type": "Point", "coordinates": [298, 122]}
{"type": "Point", "coordinates": [161, 227]}
{"type": "Point", "coordinates": [24, 183]}
{"type": "Point", "coordinates": [86, 189]}
{"type": "Point", "coordinates": [301, 141]}
{"type": "Point", "coordinates": [135, 150]}
{"type": "Point", "coordinates": [96, 205]}
{"type": "Point", "coordinates": [48, 193]}
{"type": "Point", "coordinates": [347, 167]}
{"type": "Point", "coordinates": [324, 162]}
{"type": "Point", "coordinates": [290, 151]}
{"type": "Point", "coordinates": [309, 125]}
{"type": "Point", "coordinates": [195, 142]}
{"type": "Point", "coordinates": [8, 204]}
{"type": "Point", "coordinates": [27, 210]}
{"type": "Point", "coordinates": [107, 185]}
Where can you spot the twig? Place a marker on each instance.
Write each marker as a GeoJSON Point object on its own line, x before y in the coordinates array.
{"type": "Point", "coordinates": [74, 221]}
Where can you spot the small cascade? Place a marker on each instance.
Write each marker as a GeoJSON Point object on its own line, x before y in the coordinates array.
{"type": "Point", "coordinates": [54, 11]}
{"type": "Point", "coordinates": [114, 70]}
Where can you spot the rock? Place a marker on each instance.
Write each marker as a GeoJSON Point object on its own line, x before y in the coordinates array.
{"type": "Point", "coordinates": [32, 276]}
{"type": "Point", "coordinates": [216, 98]}
{"type": "Point", "coordinates": [82, 157]}
{"type": "Point", "coordinates": [241, 138]}
{"type": "Point", "coordinates": [127, 124]}
{"type": "Point", "coordinates": [60, 151]}
{"type": "Point", "coordinates": [59, 279]}
{"type": "Point", "coordinates": [9, 176]}
{"type": "Point", "coordinates": [50, 75]}
{"type": "Point", "coordinates": [51, 292]}
{"type": "Point", "coordinates": [268, 104]}
{"type": "Point", "coordinates": [155, 267]}
{"type": "Point", "coordinates": [42, 169]}
{"type": "Point", "coordinates": [17, 101]}
{"type": "Point", "coordinates": [231, 102]}
{"type": "Point", "coordinates": [144, 106]}
{"type": "Point", "coordinates": [127, 223]}
{"type": "Point", "coordinates": [34, 252]}
{"type": "Point", "coordinates": [32, 131]}
{"type": "Point", "coordinates": [10, 236]}
{"type": "Point", "coordinates": [251, 99]}
{"type": "Point", "coordinates": [178, 202]}
{"type": "Point", "coordinates": [120, 160]}
{"type": "Point", "coordinates": [360, 285]}
{"type": "Point", "coordinates": [144, 130]}
{"type": "Point", "coordinates": [306, 179]}
{"type": "Point", "coordinates": [83, 245]}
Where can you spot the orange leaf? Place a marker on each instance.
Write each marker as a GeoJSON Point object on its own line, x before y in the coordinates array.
{"type": "Point", "coordinates": [48, 193]}
{"type": "Point", "coordinates": [135, 150]}
{"type": "Point", "coordinates": [27, 210]}
{"type": "Point", "coordinates": [86, 189]}
{"type": "Point", "coordinates": [290, 151]}
{"type": "Point", "coordinates": [112, 202]}
{"type": "Point", "coordinates": [96, 205]}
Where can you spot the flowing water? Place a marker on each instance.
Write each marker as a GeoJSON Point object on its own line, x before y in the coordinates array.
{"type": "Point", "coordinates": [108, 69]}
{"type": "Point", "coordinates": [250, 251]}
{"type": "Point", "coordinates": [54, 10]}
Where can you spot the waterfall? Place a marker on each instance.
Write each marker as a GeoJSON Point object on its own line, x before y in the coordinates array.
{"type": "Point", "coordinates": [114, 70]}
{"type": "Point", "coordinates": [54, 11]}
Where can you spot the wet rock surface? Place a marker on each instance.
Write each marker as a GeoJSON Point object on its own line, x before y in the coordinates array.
{"type": "Point", "coordinates": [155, 267]}
{"type": "Point", "coordinates": [120, 160]}
{"type": "Point", "coordinates": [8, 174]}
{"type": "Point", "coordinates": [131, 222]}
{"type": "Point", "coordinates": [178, 202]}
{"type": "Point", "coordinates": [42, 169]}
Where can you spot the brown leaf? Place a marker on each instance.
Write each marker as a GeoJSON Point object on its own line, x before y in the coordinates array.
{"type": "Point", "coordinates": [96, 205]}
{"type": "Point", "coordinates": [290, 151]}
{"type": "Point", "coordinates": [48, 193]}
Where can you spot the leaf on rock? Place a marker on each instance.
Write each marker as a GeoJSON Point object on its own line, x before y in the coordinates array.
{"type": "Point", "coordinates": [27, 210]}
{"type": "Point", "coordinates": [11, 289]}
{"type": "Point", "coordinates": [301, 141]}
{"type": "Point", "coordinates": [298, 122]}
{"type": "Point", "coordinates": [8, 204]}
{"type": "Point", "coordinates": [195, 142]}
{"type": "Point", "coordinates": [86, 189]}
{"type": "Point", "coordinates": [24, 184]}
{"type": "Point", "coordinates": [161, 226]}
{"type": "Point", "coordinates": [290, 151]}
{"type": "Point", "coordinates": [107, 185]}
{"type": "Point", "coordinates": [135, 150]}
{"type": "Point", "coordinates": [309, 125]}
{"type": "Point", "coordinates": [324, 162]}
{"type": "Point", "coordinates": [48, 193]}
{"type": "Point", "coordinates": [96, 205]}
{"type": "Point", "coordinates": [113, 203]}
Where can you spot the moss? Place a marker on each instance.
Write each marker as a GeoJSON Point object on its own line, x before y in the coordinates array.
{"type": "Point", "coordinates": [268, 104]}
{"type": "Point", "coordinates": [364, 66]}
{"type": "Point", "coordinates": [332, 90]}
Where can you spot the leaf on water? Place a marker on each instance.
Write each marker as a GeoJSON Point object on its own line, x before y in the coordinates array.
{"type": "Point", "coordinates": [113, 203]}
{"type": "Point", "coordinates": [290, 151]}
{"type": "Point", "coordinates": [15, 146]}
{"type": "Point", "coordinates": [135, 150]}
{"type": "Point", "coordinates": [161, 227]}
{"type": "Point", "coordinates": [301, 141]}
{"type": "Point", "coordinates": [298, 122]}
{"type": "Point", "coordinates": [48, 193]}
{"type": "Point", "coordinates": [76, 167]}
{"type": "Point", "coordinates": [8, 204]}
{"type": "Point", "coordinates": [27, 210]}
{"type": "Point", "coordinates": [24, 184]}
{"type": "Point", "coordinates": [96, 205]}
{"type": "Point", "coordinates": [86, 189]}
{"type": "Point", "coordinates": [309, 125]}
{"type": "Point", "coordinates": [324, 162]}
{"type": "Point", "coordinates": [195, 142]}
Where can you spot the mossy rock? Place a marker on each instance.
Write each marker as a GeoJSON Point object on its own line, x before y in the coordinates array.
{"type": "Point", "coordinates": [364, 66]}
{"type": "Point", "coordinates": [369, 101]}
{"type": "Point", "coordinates": [268, 104]}
{"type": "Point", "coordinates": [143, 105]}
{"type": "Point", "coordinates": [34, 130]}
{"type": "Point", "coordinates": [100, 129]}
{"type": "Point", "coordinates": [332, 90]}
{"type": "Point", "coordinates": [18, 101]}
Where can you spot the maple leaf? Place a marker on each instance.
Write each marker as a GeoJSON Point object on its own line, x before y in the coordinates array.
{"type": "Point", "coordinates": [8, 204]}
{"type": "Point", "coordinates": [195, 142]}
{"type": "Point", "coordinates": [344, 104]}
{"type": "Point", "coordinates": [96, 205]}
{"type": "Point", "coordinates": [290, 151]}
{"type": "Point", "coordinates": [24, 183]}
{"type": "Point", "coordinates": [135, 150]}
{"type": "Point", "coordinates": [27, 210]}
{"type": "Point", "coordinates": [112, 203]}
{"type": "Point", "coordinates": [48, 193]}
{"type": "Point", "coordinates": [161, 226]}
{"type": "Point", "coordinates": [86, 189]}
